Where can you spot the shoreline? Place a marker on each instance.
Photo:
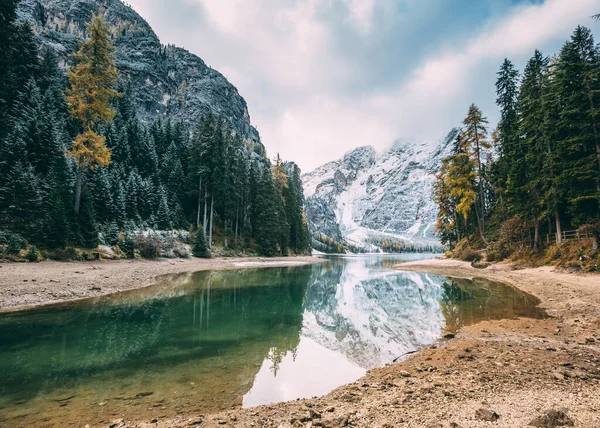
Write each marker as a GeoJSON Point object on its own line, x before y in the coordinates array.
{"type": "Point", "coordinates": [519, 369]}
{"type": "Point", "coordinates": [516, 369]}
{"type": "Point", "coordinates": [25, 286]}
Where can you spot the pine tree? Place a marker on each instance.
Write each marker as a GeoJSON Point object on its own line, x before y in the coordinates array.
{"type": "Point", "coordinates": [577, 75]}
{"type": "Point", "coordinates": [92, 82]}
{"type": "Point", "coordinates": [200, 249]}
{"type": "Point", "coordinates": [267, 222]}
{"type": "Point", "coordinates": [530, 184]}
{"type": "Point", "coordinates": [88, 229]}
{"type": "Point", "coordinates": [475, 142]}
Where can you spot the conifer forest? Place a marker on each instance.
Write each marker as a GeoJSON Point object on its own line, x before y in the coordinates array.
{"type": "Point", "coordinates": [79, 168]}
{"type": "Point", "coordinates": [534, 181]}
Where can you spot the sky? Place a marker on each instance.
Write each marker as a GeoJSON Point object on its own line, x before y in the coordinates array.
{"type": "Point", "coordinates": [322, 77]}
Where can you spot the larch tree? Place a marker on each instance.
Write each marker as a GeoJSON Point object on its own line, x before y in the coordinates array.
{"type": "Point", "coordinates": [92, 89]}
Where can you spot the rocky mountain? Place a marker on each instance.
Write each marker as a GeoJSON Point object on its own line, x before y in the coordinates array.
{"type": "Point", "coordinates": [165, 80]}
{"type": "Point", "coordinates": [366, 198]}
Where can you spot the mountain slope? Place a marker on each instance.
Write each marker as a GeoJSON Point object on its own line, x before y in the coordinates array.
{"type": "Point", "coordinates": [165, 80]}
{"type": "Point", "coordinates": [364, 199]}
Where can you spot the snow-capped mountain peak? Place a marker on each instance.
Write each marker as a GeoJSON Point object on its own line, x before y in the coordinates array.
{"type": "Point", "coordinates": [365, 198]}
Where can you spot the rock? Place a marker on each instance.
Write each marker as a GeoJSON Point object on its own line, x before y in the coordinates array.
{"type": "Point", "coordinates": [143, 394]}
{"type": "Point", "coordinates": [449, 336]}
{"type": "Point", "coordinates": [480, 265]}
{"type": "Point", "coordinates": [117, 423]}
{"type": "Point", "coordinates": [404, 373]}
{"type": "Point", "coordinates": [487, 415]}
{"type": "Point", "coordinates": [338, 422]}
{"type": "Point", "coordinates": [64, 398]}
{"type": "Point", "coordinates": [454, 425]}
{"type": "Point", "coordinates": [314, 414]}
{"type": "Point", "coordinates": [552, 419]}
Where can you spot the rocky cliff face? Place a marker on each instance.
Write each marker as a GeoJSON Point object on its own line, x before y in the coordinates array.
{"type": "Point", "coordinates": [165, 80]}
{"type": "Point", "coordinates": [365, 198]}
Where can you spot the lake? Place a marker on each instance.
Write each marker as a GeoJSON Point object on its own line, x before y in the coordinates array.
{"type": "Point", "coordinates": [207, 341]}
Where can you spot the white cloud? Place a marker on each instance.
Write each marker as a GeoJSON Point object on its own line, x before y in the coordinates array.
{"type": "Point", "coordinates": [361, 14]}
{"type": "Point", "coordinates": [284, 57]}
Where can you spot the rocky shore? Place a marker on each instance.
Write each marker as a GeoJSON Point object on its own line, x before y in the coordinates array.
{"type": "Point", "coordinates": [510, 373]}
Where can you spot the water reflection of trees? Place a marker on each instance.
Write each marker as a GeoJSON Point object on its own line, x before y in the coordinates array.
{"type": "Point", "coordinates": [235, 317]}
{"type": "Point", "coordinates": [466, 302]}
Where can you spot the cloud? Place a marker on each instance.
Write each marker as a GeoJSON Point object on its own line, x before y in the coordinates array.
{"type": "Point", "coordinates": [322, 77]}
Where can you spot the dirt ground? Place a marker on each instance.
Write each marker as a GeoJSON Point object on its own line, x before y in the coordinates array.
{"type": "Point", "coordinates": [509, 373]}
{"type": "Point", "coordinates": [27, 285]}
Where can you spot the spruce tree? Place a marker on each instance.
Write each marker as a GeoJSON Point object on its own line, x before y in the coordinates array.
{"type": "Point", "coordinates": [199, 248]}
{"type": "Point", "coordinates": [475, 143]}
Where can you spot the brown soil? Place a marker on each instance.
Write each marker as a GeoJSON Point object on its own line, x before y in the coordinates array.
{"type": "Point", "coordinates": [516, 370]}
{"type": "Point", "coordinates": [27, 285]}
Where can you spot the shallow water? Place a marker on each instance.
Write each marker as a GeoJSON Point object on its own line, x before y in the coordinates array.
{"type": "Point", "coordinates": [207, 341]}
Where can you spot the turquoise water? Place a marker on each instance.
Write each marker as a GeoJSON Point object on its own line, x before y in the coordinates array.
{"type": "Point", "coordinates": [208, 341]}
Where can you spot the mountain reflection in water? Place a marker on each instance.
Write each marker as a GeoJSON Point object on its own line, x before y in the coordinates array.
{"type": "Point", "coordinates": [205, 341]}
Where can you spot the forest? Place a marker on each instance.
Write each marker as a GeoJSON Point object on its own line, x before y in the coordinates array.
{"type": "Point", "coordinates": [78, 168]}
{"type": "Point", "coordinates": [533, 185]}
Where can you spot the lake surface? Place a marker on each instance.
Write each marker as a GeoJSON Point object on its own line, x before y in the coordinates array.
{"type": "Point", "coordinates": [207, 341]}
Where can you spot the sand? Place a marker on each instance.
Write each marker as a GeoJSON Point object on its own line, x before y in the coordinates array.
{"type": "Point", "coordinates": [29, 285]}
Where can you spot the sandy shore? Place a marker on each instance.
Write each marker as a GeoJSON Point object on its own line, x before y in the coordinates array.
{"type": "Point", "coordinates": [516, 370]}
{"type": "Point", "coordinates": [27, 285]}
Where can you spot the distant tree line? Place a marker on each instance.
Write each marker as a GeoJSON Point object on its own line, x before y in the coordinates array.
{"type": "Point", "coordinates": [77, 163]}
{"type": "Point", "coordinates": [538, 174]}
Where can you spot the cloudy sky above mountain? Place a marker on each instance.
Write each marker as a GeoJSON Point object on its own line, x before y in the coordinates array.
{"type": "Point", "coordinates": [322, 77]}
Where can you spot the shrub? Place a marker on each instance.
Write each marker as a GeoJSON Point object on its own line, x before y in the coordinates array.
{"type": "Point", "coordinates": [16, 243]}
{"type": "Point", "coordinates": [149, 246]}
{"type": "Point", "coordinates": [200, 249]}
{"type": "Point", "coordinates": [127, 246]}
{"type": "Point", "coordinates": [33, 255]}
{"type": "Point", "coordinates": [110, 235]}
{"type": "Point", "coordinates": [469, 255]}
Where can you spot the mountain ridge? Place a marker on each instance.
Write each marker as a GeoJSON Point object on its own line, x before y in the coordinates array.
{"type": "Point", "coordinates": [365, 198]}
{"type": "Point", "coordinates": [165, 81]}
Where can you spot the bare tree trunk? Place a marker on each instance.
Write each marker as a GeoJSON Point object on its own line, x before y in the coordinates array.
{"type": "Point", "coordinates": [78, 189]}
{"type": "Point", "coordinates": [536, 236]}
{"type": "Point", "coordinates": [480, 226]}
{"type": "Point", "coordinates": [558, 228]}
{"type": "Point", "coordinates": [212, 217]}
{"type": "Point", "coordinates": [199, 202]}
{"type": "Point", "coordinates": [237, 218]}
{"type": "Point", "coordinates": [204, 224]}
{"type": "Point", "coordinates": [481, 195]}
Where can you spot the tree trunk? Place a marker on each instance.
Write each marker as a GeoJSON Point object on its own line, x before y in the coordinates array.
{"type": "Point", "coordinates": [205, 203]}
{"type": "Point", "coordinates": [237, 219]}
{"type": "Point", "coordinates": [558, 228]}
{"type": "Point", "coordinates": [212, 218]}
{"type": "Point", "coordinates": [78, 188]}
{"type": "Point", "coordinates": [481, 195]}
{"type": "Point", "coordinates": [536, 236]}
{"type": "Point", "coordinates": [480, 226]}
{"type": "Point", "coordinates": [199, 202]}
